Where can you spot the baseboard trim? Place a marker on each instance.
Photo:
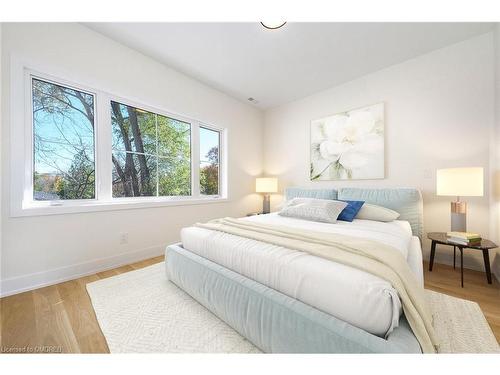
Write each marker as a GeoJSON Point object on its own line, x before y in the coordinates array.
{"type": "Point", "coordinates": [37, 280]}
{"type": "Point", "coordinates": [496, 266]}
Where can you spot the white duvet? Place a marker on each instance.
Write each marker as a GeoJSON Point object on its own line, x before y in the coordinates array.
{"type": "Point", "coordinates": [354, 296]}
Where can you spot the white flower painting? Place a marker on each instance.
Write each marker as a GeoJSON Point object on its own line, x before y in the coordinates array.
{"type": "Point", "coordinates": [349, 145]}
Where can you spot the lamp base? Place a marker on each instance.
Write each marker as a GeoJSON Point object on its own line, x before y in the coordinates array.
{"type": "Point", "coordinates": [266, 205]}
{"type": "Point", "coordinates": [458, 216]}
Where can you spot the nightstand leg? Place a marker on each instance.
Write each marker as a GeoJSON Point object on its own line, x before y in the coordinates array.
{"type": "Point", "coordinates": [461, 265]}
{"type": "Point", "coordinates": [486, 258]}
{"type": "Point", "coordinates": [454, 255]}
{"type": "Point", "coordinates": [433, 252]}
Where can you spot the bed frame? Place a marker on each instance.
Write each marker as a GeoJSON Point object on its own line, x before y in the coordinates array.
{"type": "Point", "coordinates": [276, 323]}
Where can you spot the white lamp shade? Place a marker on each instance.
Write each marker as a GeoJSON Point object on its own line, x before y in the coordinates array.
{"type": "Point", "coordinates": [460, 182]}
{"type": "Point", "coordinates": [266, 185]}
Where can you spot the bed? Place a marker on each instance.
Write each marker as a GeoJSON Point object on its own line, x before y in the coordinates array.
{"type": "Point", "coordinates": [289, 301]}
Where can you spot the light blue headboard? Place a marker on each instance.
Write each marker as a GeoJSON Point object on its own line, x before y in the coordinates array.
{"type": "Point", "coordinates": [295, 192]}
{"type": "Point", "coordinates": [407, 201]}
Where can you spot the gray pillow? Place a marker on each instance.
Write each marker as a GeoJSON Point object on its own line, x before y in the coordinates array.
{"type": "Point", "coordinates": [376, 213]}
{"type": "Point", "coordinates": [323, 210]}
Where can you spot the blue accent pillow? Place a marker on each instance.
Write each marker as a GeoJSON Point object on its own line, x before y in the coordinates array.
{"type": "Point", "coordinates": [351, 210]}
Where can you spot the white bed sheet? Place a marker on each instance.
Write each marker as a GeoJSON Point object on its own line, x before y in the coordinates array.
{"type": "Point", "coordinates": [354, 296]}
{"type": "Point", "coordinates": [396, 233]}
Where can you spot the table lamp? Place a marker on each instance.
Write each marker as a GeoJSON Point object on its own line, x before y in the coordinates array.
{"type": "Point", "coordinates": [266, 185]}
{"type": "Point", "coordinates": [459, 182]}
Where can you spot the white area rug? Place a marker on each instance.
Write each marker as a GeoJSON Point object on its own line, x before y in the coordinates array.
{"type": "Point", "coordinates": [141, 311]}
{"type": "Point", "coordinates": [461, 325]}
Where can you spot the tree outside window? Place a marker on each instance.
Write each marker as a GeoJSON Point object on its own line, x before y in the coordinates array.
{"type": "Point", "coordinates": [151, 153]}
{"type": "Point", "coordinates": [209, 161]}
{"type": "Point", "coordinates": [63, 136]}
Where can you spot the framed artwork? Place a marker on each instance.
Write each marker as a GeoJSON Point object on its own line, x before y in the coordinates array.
{"type": "Point", "coordinates": [349, 145]}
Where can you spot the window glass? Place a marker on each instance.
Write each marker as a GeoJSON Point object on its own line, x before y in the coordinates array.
{"type": "Point", "coordinates": [209, 161]}
{"type": "Point", "coordinates": [63, 138]}
{"type": "Point", "coordinates": [151, 153]}
{"type": "Point", "coordinates": [134, 175]}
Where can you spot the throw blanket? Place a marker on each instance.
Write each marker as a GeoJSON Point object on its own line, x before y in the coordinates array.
{"type": "Point", "coordinates": [370, 256]}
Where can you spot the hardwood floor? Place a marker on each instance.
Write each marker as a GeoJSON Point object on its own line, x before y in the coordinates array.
{"type": "Point", "coordinates": [57, 318]}
{"type": "Point", "coordinates": [60, 318]}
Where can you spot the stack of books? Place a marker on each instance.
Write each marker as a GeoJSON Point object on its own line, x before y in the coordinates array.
{"type": "Point", "coordinates": [464, 238]}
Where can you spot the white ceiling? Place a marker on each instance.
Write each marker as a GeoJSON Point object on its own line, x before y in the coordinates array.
{"type": "Point", "coordinates": [278, 66]}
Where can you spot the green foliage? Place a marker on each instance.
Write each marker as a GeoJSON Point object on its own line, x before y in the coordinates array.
{"type": "Point", "coordinates": [76, 183]}
{"type": "Point", "coordinates": [209, 180]}
{"type": "Point", "coordinates": [163, 141]}
{"type": "Point", "coordinates": [174, 163]}
{"type": "Point", "coordinates": [209, 174]}
{"type": "Point", "coordinates": [44, 183]}
{"type": "Point", "coordinates": [79, 182]}
{"type": "Point", "coordinates": [59, 186]}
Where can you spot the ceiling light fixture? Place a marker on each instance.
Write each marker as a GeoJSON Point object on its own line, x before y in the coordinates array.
{"type": "Point", "coordinates": [273, 25]}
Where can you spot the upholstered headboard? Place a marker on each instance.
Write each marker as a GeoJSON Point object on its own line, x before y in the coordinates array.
{"type": "Point", "coordinates": [407, 201]}
{"type": "Point", "coordinates": [295, 192]}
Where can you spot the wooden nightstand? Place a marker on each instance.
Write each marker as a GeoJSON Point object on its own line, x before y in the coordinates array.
{"type": "Point", "coordinates": [484, 246]}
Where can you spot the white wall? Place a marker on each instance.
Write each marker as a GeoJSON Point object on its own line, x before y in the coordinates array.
{"type": "Point", "coordinates": [495, 157]}
{"type": "Point", "coordinates": [439, 113]}
{"type": "Point", "coordinates": [40, 250]}
{"type": "Point", "coordinates": [1, 236]}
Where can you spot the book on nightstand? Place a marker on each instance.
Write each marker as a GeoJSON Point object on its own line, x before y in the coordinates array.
{"type": "Point", "coordinates": [464, 238]}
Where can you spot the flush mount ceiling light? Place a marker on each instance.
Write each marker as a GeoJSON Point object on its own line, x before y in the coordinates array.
{"type": "Point", "coordinates": [273, 25]}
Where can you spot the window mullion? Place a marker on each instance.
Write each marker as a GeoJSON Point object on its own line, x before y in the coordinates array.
{"type": "Point", "coordinates": [103, 139]}
{"type": "Point", "coordinates": [157, 159]}
{"type": "Point", "coordinates": [223, 164]}
{"type": "Point", "coordinates": [195, 159]}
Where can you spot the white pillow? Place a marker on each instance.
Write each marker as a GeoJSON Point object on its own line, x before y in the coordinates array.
{"type": "Point", "coordinates": [376, 213]}
{"type": "Point", "coordinates": [324, 210]}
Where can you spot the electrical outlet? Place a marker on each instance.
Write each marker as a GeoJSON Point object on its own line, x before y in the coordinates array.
{"type": "Point", "coordinates": [123, 238]}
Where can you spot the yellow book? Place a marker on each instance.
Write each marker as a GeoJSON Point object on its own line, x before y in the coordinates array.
{"type": "Point", "coordinates": [464, 235]}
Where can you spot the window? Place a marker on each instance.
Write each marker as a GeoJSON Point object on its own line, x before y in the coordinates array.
{"type": "Point", "coordinates": [80, 149]}
{"type": "Point", "coordinates": [209, 161]}
{"type": "Point", "coordinates": [151, 153]}
{"type": "Point", "coordinates": [63, 140]}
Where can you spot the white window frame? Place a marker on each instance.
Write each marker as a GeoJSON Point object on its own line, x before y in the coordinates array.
{"type": "Point", "coordinates": [22, 166]}
{"type": "Point", "coordinates": [29, 151]}
{"type": "Point", "coordinates": [208, 127]}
